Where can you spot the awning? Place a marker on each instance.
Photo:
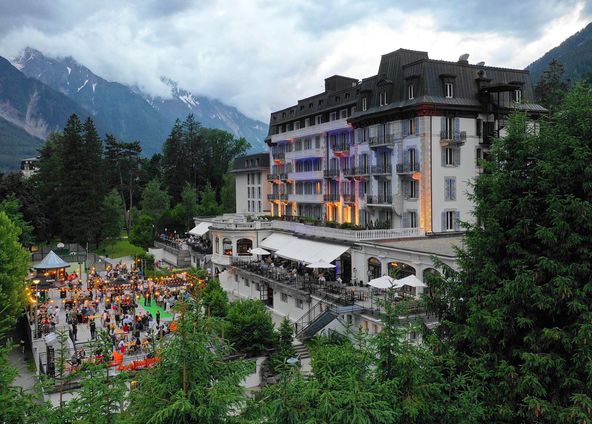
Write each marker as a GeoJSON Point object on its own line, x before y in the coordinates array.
{"type": "Point", "coordinates": [276, 241]}
{"type": "Point", "coordinates": [52, 261]}
{"type": "Point", "coordinates": [200, 229]}
{"type": "Point", "coordinates": [309, 251]}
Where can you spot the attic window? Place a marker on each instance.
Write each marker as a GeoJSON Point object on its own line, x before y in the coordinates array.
{"type": "Point", "coordinates": [310, 105]}
{"type": "Point", "coordinates": [337, 99]}
{"type": "Point", "coordinates": [517, 95]}
{"type": "Point", "coordinates": [320, 102]}
{"type": "Point", "coordinates": [448, 90]}
{"type": "Point", "coordinates": [410, 92]}
{"type": "Point", "coordinates": [346, 96]}
{"type": "Point", "coordinates": [301, 107]}
{"type": "Point", "coordinates": [383, 99]}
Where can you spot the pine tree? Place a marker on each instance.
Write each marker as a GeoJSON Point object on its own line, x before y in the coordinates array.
{"type": "Point", "coordinates": [552, 86]}
{"type": "Point", "coordinates": [112, 215]}
{"type": "Point", "coordinates": [176, 165]}
{"type": "Point", "coordinates": [155, 201]}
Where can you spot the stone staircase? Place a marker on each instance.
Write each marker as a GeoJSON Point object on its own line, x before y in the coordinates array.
{"type": "Point", "coordinates": [301, 350]}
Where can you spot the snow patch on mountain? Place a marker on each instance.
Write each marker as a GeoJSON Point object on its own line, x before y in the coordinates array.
{"type": "Point", "coordinates": [83, 85]}
{"type": "Point", "coordinates": [69, 70]}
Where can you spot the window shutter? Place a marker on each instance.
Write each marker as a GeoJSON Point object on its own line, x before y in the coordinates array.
{"type": "Point", "coordinates": [456, 156]}
{"type": "Point", "coordinates": [443, 124]}
{"type": "Point", "coordinates": [405, 188]}
{"type": "Point", "coordinates": [406, 156]}
{"type": "Point", "coordinates": [417, 131]}
{"type": "Point", "coordinates": [453, 189]}
{"type": "Point", "coordinates": [405, 128]}
{"type": "Point", "coordinates": [443, 150]}
{"type": "Point", "coordinates": [457, 220]}
{"type": "Point", "coordinates": [443, 228]}
{"type": "Point", "coordinates": [405, 220]}
{"type": "Point", "coordinates": [457, 128]}
{"type": "Point", "coordinates": [446, 188]}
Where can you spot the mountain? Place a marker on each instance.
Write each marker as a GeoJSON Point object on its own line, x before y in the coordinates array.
{"type": "Point", "coordinates": [575, 54]}
{"type": "Point", "coordinates": [132, 114]}
{"type": "Point", "coordinates": [29, 111]}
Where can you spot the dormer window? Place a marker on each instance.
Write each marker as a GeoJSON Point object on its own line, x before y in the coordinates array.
{"type": "Point", "coordinates": [364, 103]}
{"type": "Point", "coordinates": [337, 99]}
{"type": "Point", "coordinates": [517, 95]}
{"type": "Point", "coordinates": [383, 99]}
{"type": "Point", "coordinates": [449, 90]}
{"type": "Point", "coordinates": [410, 92]}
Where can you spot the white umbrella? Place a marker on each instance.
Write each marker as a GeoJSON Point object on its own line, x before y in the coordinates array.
{"type": "Point", "coordinates": [384, 282]}
{"type": "Point", "coordinates": [410, 280]}
{"type": "Point", "coordinates": [259, 251]}
{"type": "Point", "coordinates": [320, 265]}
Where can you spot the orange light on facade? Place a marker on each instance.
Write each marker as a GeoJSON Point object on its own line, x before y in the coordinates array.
{"type": "Point", "coordinates": [416, 176]}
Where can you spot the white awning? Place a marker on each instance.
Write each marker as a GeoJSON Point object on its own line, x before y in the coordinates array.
{"type": "Point", "coordinates": [309, 251]}
{"type": "Point", "coordinates": [276, 241]}
{"type": "Point", "coordinates": [200, 229]}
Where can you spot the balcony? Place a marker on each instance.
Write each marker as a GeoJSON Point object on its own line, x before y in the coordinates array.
{"type": "Point", "coordinates": [382, 170]}
{"type": "Point", "coordinates": [331, 197]}
{"type": "Point", "coordinates": [284, 176]}
{"type": "Point", "coordinates": [382, 141]}
{"type": "Point", "coordinates": [340, 149]}
{"type": "Point", "coordinates": [278, 155]}
{"type": "Point", "coordinates": [407, 168]}
{"type": "Point", "coordinates": [356, 172]}
{"type": "Point", "coordinates": [451, 139]}
{"type": "Point", "coordinates": [277, 196]}
{"type": "Point", "coordinates": [306, 175]}
{"type": "Point", "coordinates": [349, 198]}
{"type": "Point", "coordinates": [331, 173]}
{"type": "Point", "coordinates": [306, 153]}
{"type": "Point", "coordinates": [306, 198]}
{"type": "Point", "coordinates": [381, 199]}
{"type": "Point", "coordinates": [272, 177]}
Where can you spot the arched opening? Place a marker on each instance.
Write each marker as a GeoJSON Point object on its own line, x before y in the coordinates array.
{"type": "Point", "coordinates": [374, 268]}
{"type": "Point", "coordinates": [343, 268]}
{"type": "Point", "coordinates": [243, 246]}
{"type": "Point", "coordinates": [400, 270]}
{"type": "Point", "coordinates": [227, 247]}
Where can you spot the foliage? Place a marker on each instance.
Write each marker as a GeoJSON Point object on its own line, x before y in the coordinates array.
{"type": "Point", "coordinates": [12, 207]}
{"type": "Point", "coordinates": [207, 203]}
{"type": "Point", "coordinates": [228, 193]}
{"type": "Point", "coordinates": [214, 299]}
{"type": "Point", "coordinates": [249, 326]}
{"type": "Point", "coordinates": [112, 213]}
{"type": "Point", "coordinates": [155, 201]}
{"type": "Point", "coordinates": [552, 86]}
{"type": "Point", "coordinates": [519, 310]}
{"type": "Point", "coordinates": [143, 231]}
{"type": "Point", "coordinates": [14, 267]}
{"type": "Point", "coordinates": [192, 382]}
{"type": "Point", "coordinates": [119, 248]}
{"type": "Point", "coordinates": [285, 347]}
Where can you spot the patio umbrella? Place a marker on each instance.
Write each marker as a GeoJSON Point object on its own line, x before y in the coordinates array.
{"type": "Point", "coordinates": [320, 265]}
{"type": "Point", "coordinates": [259, 251]}
{"type": "Point", "coordinates": [410, 280]}
{"type": "Point", "coordinates": [384, 282]}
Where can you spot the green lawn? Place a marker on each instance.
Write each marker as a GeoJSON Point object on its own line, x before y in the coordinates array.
{"type": "Point", "coordinates": [118, 248]}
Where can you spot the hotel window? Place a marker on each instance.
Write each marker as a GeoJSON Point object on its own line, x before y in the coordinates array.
{"type": "Point", "coordinates": [346, 96]}
{"type": "Point", "coordinates": [337, 99]}
{"type": "Point", "coordinates": [411, 126]}
{"type": "Point", "coordinates": [297, 125]}
{"type": "Point", "coordinates": [306, 122]}
{"type": "Point", "coordinates": [320, 102]}
{"type": "Point", "coordinates": [332, 116]}
{"type": "Point", "coordinates": [413, 189]}
{"type": "Point", "coordinates": [247, 284]}
{"type": "Point", "coordinates": [284, 297]}
{"type": "Point", "coordinates": [307, 143]}
{"type": "Point", "coordinates": [299, 304]}
{"type": "Point", "coordinates": [343, 114]}
{"type": "Point", "coordinates": [449, 90]}
{"type": "Point", "coordinates": [310, 105]}
{"type": "Point", "coordinates": [410, 92]}
{"type": "Point", "coordinates": [448, 128]}
{"type": "Point", "coordinates": [383, 99]}
{"type": "Point", "coordinates": [259, 206]}
{"type": "Point", "coordinates": [449, 188]}
{"type": "Point", "coordinates": [318, 119]}
{"type": "Point", "coordinates": [449, 156]}
{"type": "Point", "coordinates": [258, 192]}
{"type": "Point", "coordinates": [450, 220]}
{"type": "Point", "coordinates": [317, 142]}
{"type": "Point", "coordinates": [412, 219]}
{"type": "Point", "coordinates": [258, 178]}
{"type": "Point", "coordinates": [364, 103]}
{"type": "Point", "coordinates": [517, 95]}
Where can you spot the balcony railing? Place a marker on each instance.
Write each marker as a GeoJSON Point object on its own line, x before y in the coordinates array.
{"type": "Point", "coordinates": [388, 140]}
{"type": "Point", "coordinates": [283, 176]}
{"type": "Point", "coordinates": [340, 147]}
{"type": "Point", "coordinates": [272, 177]}
{"type": "Point", "coordinates": [349, 198]}
{"type": "Point", "coordinates": [381, 199]}
{"type": "Point", "coordinates": [331, 197]}
{"type": "Point", "coordinates": [306, 198]}
{"type": "Point", "coordinates": [277, 196]}
{"type": "Point", "coordinates": [456, 137]}
{"type": "Point", "coordinates": [382, 169]}
{"type": "Point", "coordinates": [407, 168]}
{"type": "Point", "coordinates": [279, 155]}
{"type": "Point", "coordinates": [330, 173]}
{"type": "Point", "coordinates": [356, 172]}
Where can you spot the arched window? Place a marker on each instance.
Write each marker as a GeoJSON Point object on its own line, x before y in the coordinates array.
{"type": "Point", "coordinates": [217, 245]}
{"type": "Point", "coordinates": [243, 246]}
{"type": "Point", "coordinates": [227, 247]}
{"type": "Point", "coordinates": [400, 270]}
{"type": "Point", "coordinates": [374, 268]}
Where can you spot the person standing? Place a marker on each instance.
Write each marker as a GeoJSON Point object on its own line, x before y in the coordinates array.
{"type": "Point", "coordinates": [93, 328]}
{"type": "Point", "coordinates": [74, 330]}
{"type": "Point", "coordinates": [157, 318]}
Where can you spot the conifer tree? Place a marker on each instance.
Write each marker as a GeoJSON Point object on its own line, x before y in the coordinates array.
{"type": "Point", "coordinates": [176, 164]}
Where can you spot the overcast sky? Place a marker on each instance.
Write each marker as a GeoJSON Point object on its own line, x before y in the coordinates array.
{"type": "Point", "coordinates": [263, 55]}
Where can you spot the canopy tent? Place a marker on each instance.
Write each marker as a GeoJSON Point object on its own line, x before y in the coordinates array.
{"type": "Point", "coordinates": [276, 240]}
{"type": "Point", "coordinates": [320, 265]}
{"type": "Point", "coordinates": [52, 261]}
{"type": "Point", "coordinates": [384, 282]}
{"type": "Point", "coordinates": [309, 251]}
{"type": "Point", "coordinates": [200, 229]}
{"type": "Point", "coordinates": [411, 281]}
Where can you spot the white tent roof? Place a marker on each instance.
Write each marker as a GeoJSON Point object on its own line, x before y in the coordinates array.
{"type": "Point", "coordinates": [200, 229]}
{"type": "Point", "coordinates": [276, 240]}
{"type": "Point", "coordinates": [51, 261]}
{"type": "Point", "coordinates": [410, 280]}
{"type": "Point", "coordinates": [302, 250]}
{"type": "Point", "coordinates": [258, 251]}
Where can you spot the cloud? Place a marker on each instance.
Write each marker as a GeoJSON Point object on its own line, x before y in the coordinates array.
{"type": "Point", "coordinates": [262, 55]}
